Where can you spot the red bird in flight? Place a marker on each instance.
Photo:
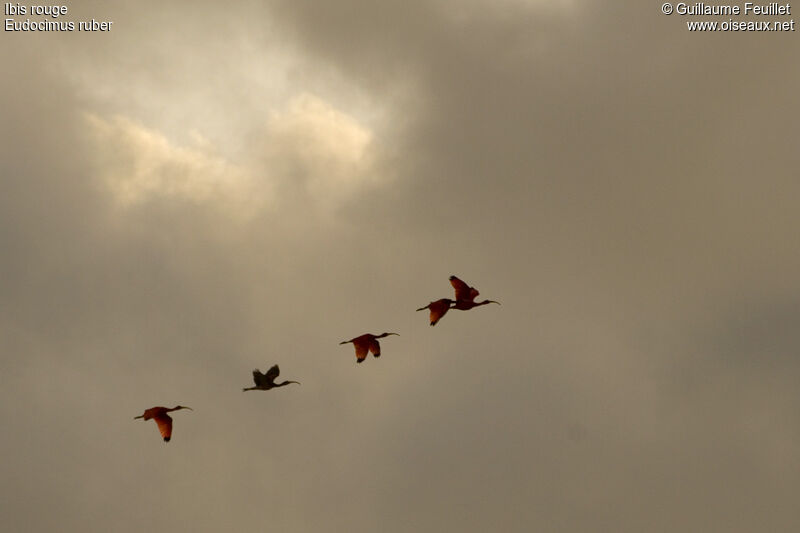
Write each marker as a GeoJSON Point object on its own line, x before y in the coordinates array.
{"type": "Point", "coordinates": [163, 420]}
{"type": "Point", "coordinates": [465, 296]}
{"type": "Point", "coordinates": [438, 309]}
{"type": "Point", "coordinates": [367, 343]}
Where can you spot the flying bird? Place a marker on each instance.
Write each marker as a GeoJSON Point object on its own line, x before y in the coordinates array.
{"type": "Point", "coordinates": [367, 343]}
{"type": "Point", "coordinates": [438, 309]}
{"type": "Point", "coordinates": [465, 296]}
{"type": "Point", "coordinates": [163, 420]}
{"type": "Point", "coordinates": [267, 381]}
{"type": "Point", "coordinates": [463, 291]}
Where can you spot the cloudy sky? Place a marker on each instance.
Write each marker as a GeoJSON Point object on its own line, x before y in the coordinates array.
{"type": "Point", "coordinates": [209, 188]}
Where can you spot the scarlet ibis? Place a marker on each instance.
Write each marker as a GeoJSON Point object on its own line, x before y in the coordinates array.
{"type": "Point", "coordinates": [463, 291]}
{"type": "Point", "coordinates": [367, 343]}
{"type": "Point", "coordinates": [163, 420]}
{"type": "Point", "coordinates": [267, 381]}
{"type": "Point", "coordinates": [465, 296]}
{"type": "Point", "coordinates": [438, 309]}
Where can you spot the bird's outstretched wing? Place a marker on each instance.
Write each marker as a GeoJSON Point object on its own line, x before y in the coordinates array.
{"type": "Point", "coordinates": [463, 291]}
{"type": "Point", "coordinates": [438, 309]}
{"type": "Point", "coordinates": [362, 348]}
{"type": "Point", "coordinates": [164, 422]}
{"type": "Point", "coordinates": [258, 378]}
{"type": "Point", "coordinates": [273, 372]}
{"type": "Point", "coordinates": [374, 347]}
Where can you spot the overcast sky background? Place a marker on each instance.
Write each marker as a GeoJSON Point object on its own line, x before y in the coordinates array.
{"type": "Point", "coordinates": [210, 188]}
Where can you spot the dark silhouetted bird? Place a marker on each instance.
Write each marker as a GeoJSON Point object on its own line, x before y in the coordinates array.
{"type": "Point", "coordinates": [267, 381]}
